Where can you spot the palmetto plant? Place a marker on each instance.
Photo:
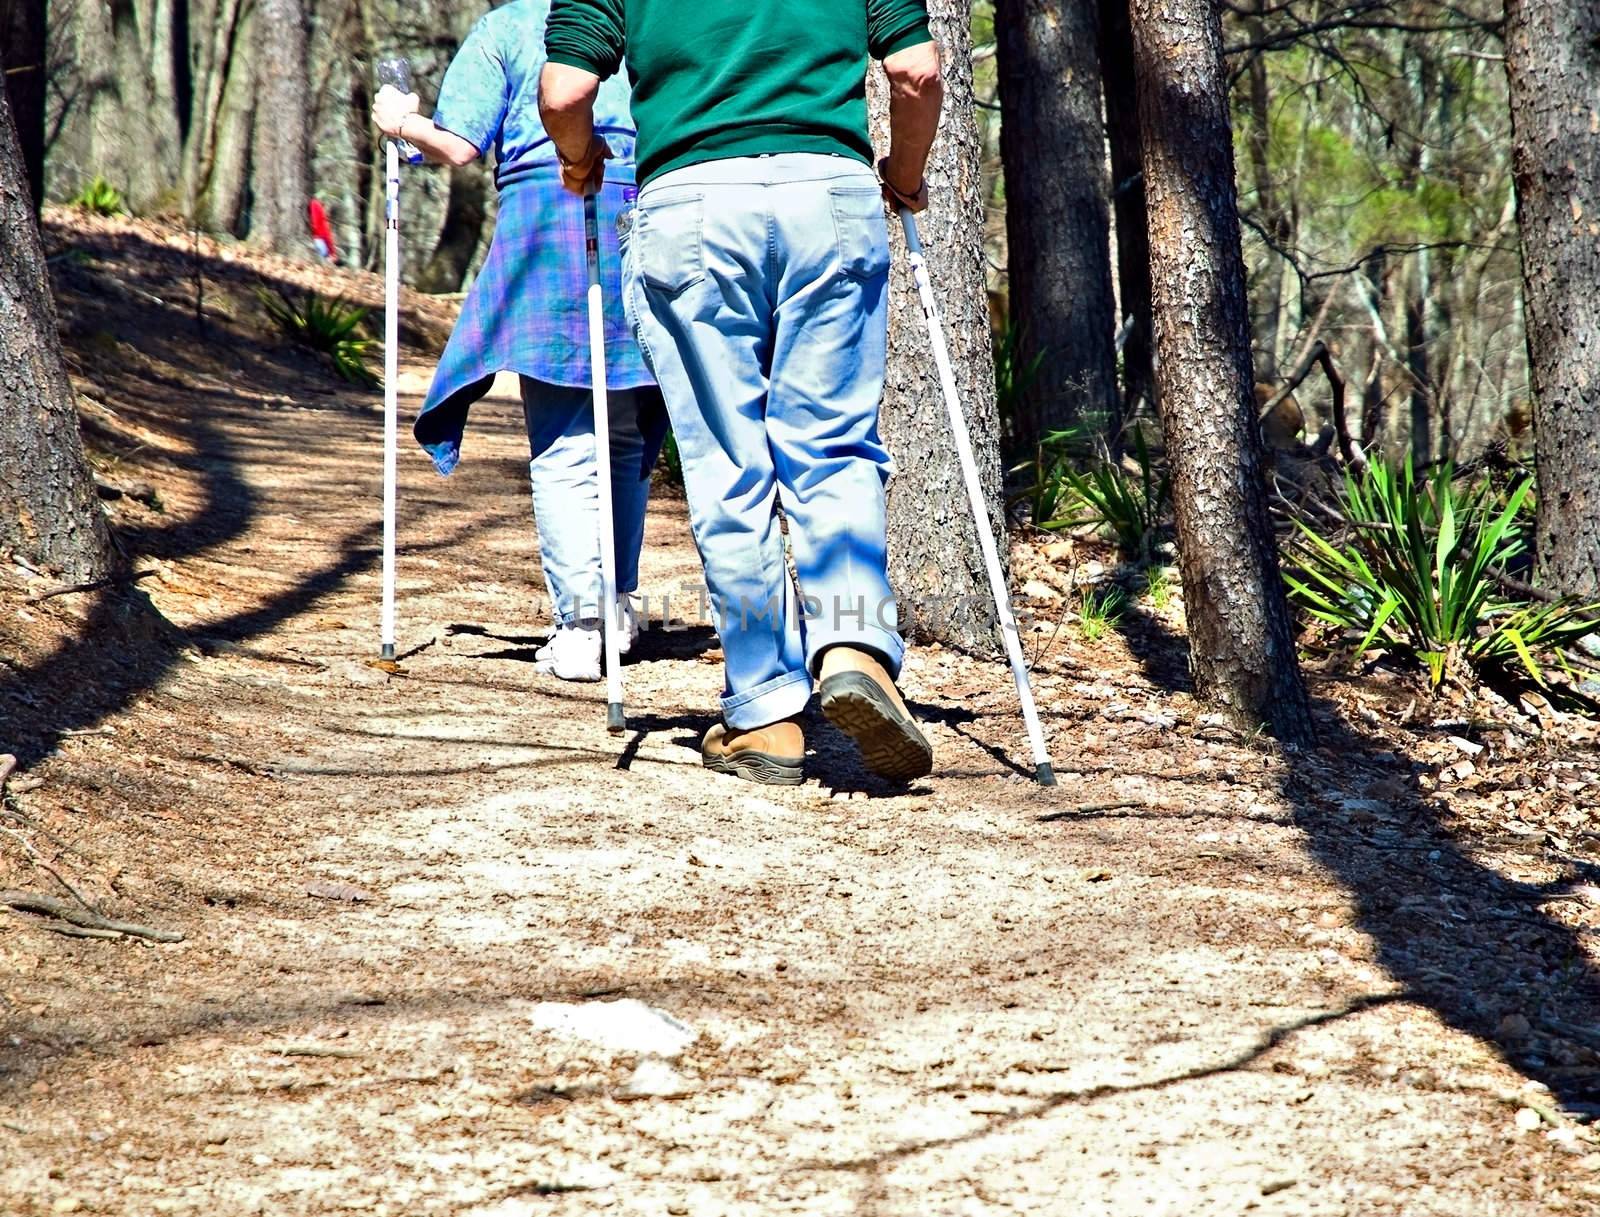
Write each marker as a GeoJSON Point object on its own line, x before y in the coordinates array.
{"type": "Point", "coordinates": [1129, 506]}
{"type": "Point", "coordinates": [101, 198]}
{"type": "Point", "coordinates": [328, 326]}
{"type": "Point", "coordinates": [1421, 572]}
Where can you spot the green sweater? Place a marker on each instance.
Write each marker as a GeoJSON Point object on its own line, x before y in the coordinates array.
{"type": "Point", "coordinates": [719, 78]}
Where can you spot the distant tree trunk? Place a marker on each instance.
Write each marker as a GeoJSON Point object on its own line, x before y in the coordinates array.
{"type": "Point", "coordinates": [935, 564]}
{"type": "Point", "coordinates": [49, 512]}
{"type": "Point", "coordinates": [1241, 638]}
{"type": "Point", "coordinates": [121, 87]}
{"type": "Point", "coordinates": [216, 153]}
{"type": "Point", "coordinates": [1553, 60]}
{"type": "Point", "coordinates": [1274, 213]}
{"type": "Point", "coordinates": [463, 228]}
{"type": "Point", "coordinates": [280, 172]}
{"type": "Point", "coordinates": [1058, 236]}
{"type": "Point", "coordinates": [23, 35]}
{"type": "Point", "coordinates": [1128, 202]}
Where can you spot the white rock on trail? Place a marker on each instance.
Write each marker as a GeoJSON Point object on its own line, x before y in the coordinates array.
{"type": "Point", "coordinates": [653, 1078]}
{"type": "Point", "coordinates": [626, 1026]}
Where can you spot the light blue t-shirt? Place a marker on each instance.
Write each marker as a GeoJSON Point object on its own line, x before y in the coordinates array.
{"type": "Point", "coordinates": [490, 95]}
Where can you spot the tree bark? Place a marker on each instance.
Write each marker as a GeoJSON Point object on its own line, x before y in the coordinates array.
{"type": "Point", "coordinates": [23, 35]}
{"type": "Point", "coordinates": [216, 153]}
{"type": "Point", "coordinates": [1553, 62]}
{"type": "Point", "coordinates": [1128, 203]}
{"type": "Point", "coordinates": [120, 85]}
{"type": "Point", "coordinates": [280, 172]}
{"type": "Point", "coordinates": [49, 512]}
{"type": "Point", "coordinates": [934, 561]}
{"type": "Point", "coordinates": [464, 216]}
{"type": "Point", "coordinates": [1241, 638]}
{"type": "Point", "coordinates": [1058, 234]}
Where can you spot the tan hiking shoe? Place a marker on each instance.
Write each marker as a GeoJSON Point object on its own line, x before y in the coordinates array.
{"type": "Point", "coordinates": [774, 755]}
{"type": "Point", "coordinates": [859, 698]}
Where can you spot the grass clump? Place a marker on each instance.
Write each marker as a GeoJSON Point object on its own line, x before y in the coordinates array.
{"type": "Point", "coordinates": [99, 197]}
{"type": "Point", "coordinates": [1100, 612]}
{"type": "Point", "coordinates": [1129, 506]}
{"type": "Point", "coordinates": [328, 326]}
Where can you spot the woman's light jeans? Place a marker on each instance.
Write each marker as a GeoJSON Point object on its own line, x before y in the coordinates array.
{"type": "Point", "coordinates": [566, 493]}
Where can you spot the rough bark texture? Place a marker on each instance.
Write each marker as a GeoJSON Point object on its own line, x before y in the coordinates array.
{"type": "Point", "coordinates": [1053, 146]}
{"type": "Point", "coordinates": [120, 93]}
{"type": "Point", "coordinates": [49, 512]}
{"type": "Point", "coordinates": [1241, 640]}
{"type": "Point", "coordinates": [1553, 60]}
{"type": "Point", "coordinates": [464, 218]}
{"type": "Point", "coordinates": [22, 34]}
{"type": "Point", "coordinates": [1127, 201]}
{"type": "Point", "coordinates": [282, 142]}
{"type": "Point", "coordinates": [216, 155]}
{"type": "Point", "coordinates": [933, 551]}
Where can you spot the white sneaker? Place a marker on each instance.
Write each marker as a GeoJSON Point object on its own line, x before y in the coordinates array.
{"type": "Point", "coordinates": [573, 653]}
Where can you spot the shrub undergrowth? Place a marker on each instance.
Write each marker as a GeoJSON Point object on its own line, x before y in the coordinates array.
{"type": "Point", "coordinates": [1420, 568]}
{"type": "Point", "coordinates": [329, 326]}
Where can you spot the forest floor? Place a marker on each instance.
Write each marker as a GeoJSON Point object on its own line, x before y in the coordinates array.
{"type": "Point", "coordinates": [449, 948]}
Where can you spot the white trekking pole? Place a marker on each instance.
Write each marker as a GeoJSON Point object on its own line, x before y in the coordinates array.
{"type": "Point", "coordinates": [609, 608]}
{"type": "Point", "coordinates": [397, 74]}
{"type": "Point", "coordinates": [1042, 769]}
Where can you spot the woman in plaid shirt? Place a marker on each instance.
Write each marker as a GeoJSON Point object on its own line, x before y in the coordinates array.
{"type": "Point", "coordinates": [527, 313]}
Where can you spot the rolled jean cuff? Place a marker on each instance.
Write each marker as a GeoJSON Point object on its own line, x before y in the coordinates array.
{"type": "Point", "coordinates": [885, 643]}
{"type": "Point", "coordinates": [769, 702]}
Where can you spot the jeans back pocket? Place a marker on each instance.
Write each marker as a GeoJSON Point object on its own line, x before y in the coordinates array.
{"type": "Point", "coordinates": [668, 244]}
{"type": "Point", "coordinates": [862, 232]}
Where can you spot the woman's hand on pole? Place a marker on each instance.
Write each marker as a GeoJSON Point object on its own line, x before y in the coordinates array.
{"type": "Point", "coordinates": [391, 108]}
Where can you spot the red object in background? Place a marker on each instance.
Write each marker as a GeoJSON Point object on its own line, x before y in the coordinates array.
{"type": "Point", "coordinates": [322, 231]}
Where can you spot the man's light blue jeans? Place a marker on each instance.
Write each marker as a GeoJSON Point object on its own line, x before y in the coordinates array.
{"type": "Point", "coordinates": [757, 287]}
{"type": "Point", "coordinates": [566, 491]}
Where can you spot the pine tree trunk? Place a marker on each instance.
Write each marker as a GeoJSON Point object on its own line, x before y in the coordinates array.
{"type": "Point", "coordinates": [22, 34]}
{"type": "Point", "coordinates": [1553, 61]}
{"type": "Point", "coordinates": [1053, 146]}
{"type": "Point", "coordinates": [1127, 202]}
{"type": "Point", "coordinates": [935, 564]}
{"type": "Point", "coordinates": [280, 170]}
{"type": "Point", "coordinates": [49, 512]}
{"type": "Point", "coordinates": [1241, 638]}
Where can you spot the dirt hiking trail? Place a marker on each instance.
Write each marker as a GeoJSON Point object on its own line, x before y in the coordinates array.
{"type": "Point", "coordinates": [449, 948]}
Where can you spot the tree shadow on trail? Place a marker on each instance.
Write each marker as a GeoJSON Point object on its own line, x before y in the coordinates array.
{"type": "Point", "coordinates": [124, 647]}
{"type": "Point", "coordinates": [1466, 942]}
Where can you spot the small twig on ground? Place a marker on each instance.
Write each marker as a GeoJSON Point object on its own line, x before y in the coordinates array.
{"type": "Point", "coordinates": [37, 859]}
{"type": "Point", "coordinates": [49, 906]}
{"type": "Point", "coordinates": [226, 646]}
{"type": "Point", "coordinates": [1088, 809]}
{"type": "Point", "coordinates": [94, 585]}
{"type": "Point", "coordinates": [315, 1050]}
{"type": "Point", "coordinates": [212, 758]}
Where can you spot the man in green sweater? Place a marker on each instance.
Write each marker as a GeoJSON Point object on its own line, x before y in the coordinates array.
{"type": "Point", "coordinates": [756, 276]}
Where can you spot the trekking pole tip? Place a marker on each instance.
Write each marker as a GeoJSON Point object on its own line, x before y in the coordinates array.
{"type": "Point", "coordinates": [615, 723]}
{"type": "Point", "coordinates": [386, 651]}
{"type": "Point", "coordinates": [1044, 774]}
